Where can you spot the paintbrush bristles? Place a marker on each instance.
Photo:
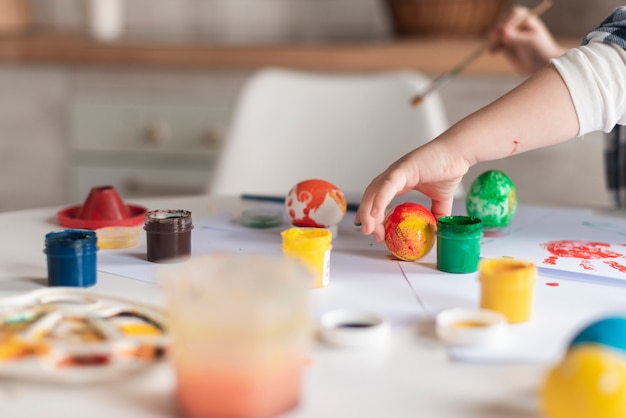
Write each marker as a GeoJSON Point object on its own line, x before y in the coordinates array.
{"type": "Point", "coordinates": [416, 101]}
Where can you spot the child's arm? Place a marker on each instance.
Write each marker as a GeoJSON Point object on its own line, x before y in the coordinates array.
{"type": "Point", "coordinates": [537, 113]}
{"type": "Point", "coordinates": [582, 91]}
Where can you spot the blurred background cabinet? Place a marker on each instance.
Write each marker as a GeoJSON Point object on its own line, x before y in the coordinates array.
{"type": "Point", "coordinates": [34, 146]}
{"type": "Point", "coordinates": [147, 112]}
{"type": "Point", "coordinates": [148, 133]}
{"type": "Point", "coordinates": [154, 133]}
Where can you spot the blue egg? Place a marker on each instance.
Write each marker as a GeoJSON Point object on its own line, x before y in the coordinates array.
{"type": "Point", "coordinates": [609, 332]}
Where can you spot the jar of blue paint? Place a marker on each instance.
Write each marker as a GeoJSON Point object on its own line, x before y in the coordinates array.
{"type": "Point", "coordinates": [71, 257]}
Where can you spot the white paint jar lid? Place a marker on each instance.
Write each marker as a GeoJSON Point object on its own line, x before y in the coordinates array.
{"type": "Point", "coordinates": [354, 328]}
{"type": "Point", "coordinates": [478, 327]}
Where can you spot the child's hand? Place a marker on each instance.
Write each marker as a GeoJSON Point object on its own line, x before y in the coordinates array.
{"type": "Point", "coordinates": [525, 41]}
{"type": "Point", "coordinates": [432, 170]}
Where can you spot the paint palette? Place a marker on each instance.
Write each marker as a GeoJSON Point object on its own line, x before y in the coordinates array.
{"type": "Point", "coordinates": [72, 335]}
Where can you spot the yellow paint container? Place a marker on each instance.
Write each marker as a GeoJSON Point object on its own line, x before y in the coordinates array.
{"type": "Point", "coordinates": [312, 247]}
{"type": "Point", "coordinates": [507, 287]}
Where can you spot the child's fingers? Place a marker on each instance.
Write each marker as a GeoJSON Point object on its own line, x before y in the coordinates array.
{"type": "Point", "coordinates": [441, 208]}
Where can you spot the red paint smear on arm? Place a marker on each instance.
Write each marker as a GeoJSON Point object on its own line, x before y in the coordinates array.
{"type": "Point", "coordinates": [515, 146]}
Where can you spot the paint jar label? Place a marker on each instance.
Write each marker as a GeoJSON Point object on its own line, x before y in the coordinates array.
{"type": "Point", "coordinates": [326, 269]}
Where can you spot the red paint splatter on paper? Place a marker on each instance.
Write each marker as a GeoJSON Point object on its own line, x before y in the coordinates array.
{"type": "Point", "coordinates": [585, 251]}
{"type": "Point", "coordinates": [586, 265]}
{"type": "Point", "coordinates": [551, 260]}
{"type": "Point", "coordinates": [616, 266]}
{"type": "Point", "coordinates": [553, 284]}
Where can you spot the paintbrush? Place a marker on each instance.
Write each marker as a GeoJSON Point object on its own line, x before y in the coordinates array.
{"type": "Point", "coordinates": [440, 81]}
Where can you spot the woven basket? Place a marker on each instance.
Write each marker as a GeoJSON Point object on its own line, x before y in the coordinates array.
{"type": "Point", "coordinates": [445, 18]}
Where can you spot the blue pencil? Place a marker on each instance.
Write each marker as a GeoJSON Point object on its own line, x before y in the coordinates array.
{"type": "Point", "coordinates": [352, 207]}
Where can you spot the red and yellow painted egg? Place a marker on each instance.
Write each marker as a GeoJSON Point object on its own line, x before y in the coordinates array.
{"type": "Point", "coordinates": [410, 231]}
{"type": "Point", "coordinates": [315, 203]}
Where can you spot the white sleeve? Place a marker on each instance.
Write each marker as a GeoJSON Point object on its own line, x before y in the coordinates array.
{"type": "Point", "coordinates": [595, 75]}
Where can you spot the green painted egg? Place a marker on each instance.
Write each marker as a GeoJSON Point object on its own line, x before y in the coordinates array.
{"type": "Point", "coordinates": [492, 198]}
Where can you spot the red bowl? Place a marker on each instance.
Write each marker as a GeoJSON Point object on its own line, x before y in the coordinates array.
{"type": "Point", "coordinates": [68, 218]}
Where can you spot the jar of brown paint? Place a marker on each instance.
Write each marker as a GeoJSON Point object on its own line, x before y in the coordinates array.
{"type": "Point", "coordinates": [168, 235]}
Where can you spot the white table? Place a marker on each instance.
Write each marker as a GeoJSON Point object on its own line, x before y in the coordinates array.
{"type": "Point", "coordinates": [413, 377]}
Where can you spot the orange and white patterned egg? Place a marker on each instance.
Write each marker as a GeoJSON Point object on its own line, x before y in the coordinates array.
{"type": "Point", "coordinates": [315, 203]}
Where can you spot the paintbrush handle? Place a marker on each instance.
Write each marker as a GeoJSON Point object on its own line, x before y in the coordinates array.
{"type": "Point", "coordinates": [441, 80]}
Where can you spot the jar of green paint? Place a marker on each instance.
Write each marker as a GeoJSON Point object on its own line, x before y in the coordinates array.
{"type": "Point", "coordinates": [458, 243]}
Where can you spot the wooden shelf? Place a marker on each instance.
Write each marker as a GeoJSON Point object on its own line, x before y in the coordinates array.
{"type": "Point", "coordinates": [429, 56]}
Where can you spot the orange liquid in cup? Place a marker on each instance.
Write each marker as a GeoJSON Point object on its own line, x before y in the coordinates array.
{"type": "Point", "coordinates": [214, 391]}
{"type": "Point", "coordinates": [239, 329]}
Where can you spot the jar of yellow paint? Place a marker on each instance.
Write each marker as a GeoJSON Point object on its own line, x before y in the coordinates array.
{"type": "Point", "coordinates": [312, 247]}
{"type": "Point", "coordinates": [506, 286]}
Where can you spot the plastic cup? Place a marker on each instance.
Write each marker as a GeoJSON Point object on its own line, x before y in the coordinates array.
{"type": "Point", "coordinates": [311, 246]}
{"type": "Point", "coordinates": [507, 287]}
{"type": "Point", "coordinates": [239, 331]}
{"type": "Point", "coordinates": [458, 243]}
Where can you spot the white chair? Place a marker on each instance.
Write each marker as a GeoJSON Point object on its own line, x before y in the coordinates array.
{"type": "Point", "coordinates": [291, 126]}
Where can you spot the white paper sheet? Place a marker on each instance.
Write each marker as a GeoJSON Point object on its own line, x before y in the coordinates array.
{"type": "Point", "coordinates": [566, 298]}
{"type": "Point", "coordinates": [568, 244]}
{"type": "Point", "coordinates": [363, 276]}
{"type": "Point", "coordinates": [561, 308]}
